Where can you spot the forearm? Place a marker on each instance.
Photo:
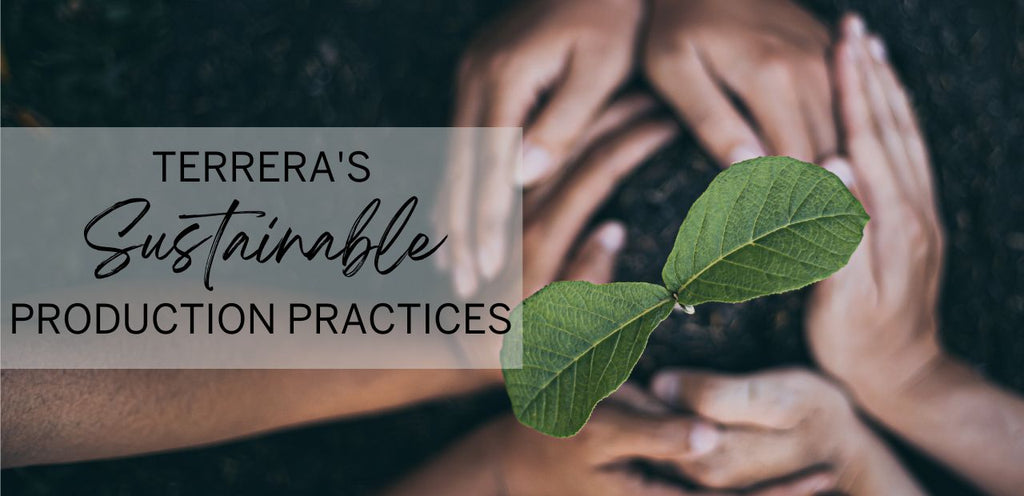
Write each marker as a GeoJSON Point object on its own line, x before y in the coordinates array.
{"type": "Point", "coordinates": [466, 469]}
{"type": "Point", "coordinates": [954, 415]}
{"type": "Point", "coordinates": [52, 416]}
{"type": "Point", "coordinates": [874, 469]}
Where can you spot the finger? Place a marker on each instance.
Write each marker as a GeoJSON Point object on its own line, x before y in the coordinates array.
{"type": "Point", "coordinates": [803, 485]}
{"type": "Point", "coordinates": [774, 103]}
{"type": "Point", "coordinates": [775, 400]}
{"type": "Point", "coordinates": [459, 180]}
{"type": "Point", "coordinates": [881, 111]}
{"type": "Point", "coordinates": [817, 106]}
{"type": "Point", "coordinates": [743, 457]}
{"type": "Point", "coordinates": [697, 97]}
{"type": "Point", "coordinates": [638, 400]}
{"type": "Point", "coordinates": [509, 102]}
{"type": "Point", "coordinates": [613, 119]}
{"type": "Point", "coordinates": [910, 131]}
{"type": "Point", "coordinates": [861, 141]}
{"type": "Point", "coordinates": [620, 112]}
{"type": "Point", "coordinates": [547, 142]}
{"type": "Point", "coordinates": [595, 261]}
{"type": "Point", "coordinates": [586, 189]}
{"type": "Point", "coordinates": [621, 434]}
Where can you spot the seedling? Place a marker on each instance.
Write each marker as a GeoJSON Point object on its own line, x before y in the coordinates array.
{"type": "Point", "coordinates": [764, 226]}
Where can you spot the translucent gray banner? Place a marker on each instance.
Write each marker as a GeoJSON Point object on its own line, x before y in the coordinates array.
{"type": "Point", "coordinates": [250, 247]}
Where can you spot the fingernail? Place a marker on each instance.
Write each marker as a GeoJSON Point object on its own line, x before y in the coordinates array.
{"type": "Point", "coordinates": [490, 254]}
{"type": "Point", "coordinates": [612, 236]}
{"type": "Point", "coordinates": [841, 168]}
{"type": "Point", "coordinates": [536, 163]}
{"type": "Point", "coordinates": [744, 152]}
{"type": "Point", "coordinates": [703, 438]}
{"type": "Point", "coordinates": [877, 49]}
{"type": "Point", "coordinates": [665, 387]}
{"type": "Point", "coordinates": [465, 280]}
{"type": "Point", "coordinates": [856, 26]}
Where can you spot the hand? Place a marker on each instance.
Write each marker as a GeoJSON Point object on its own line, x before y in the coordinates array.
{"type": "Point", "coordinates": [549, 66]}
{"type": "Point", "coordinates": [769, 54]}
{"type": "Point", "coordinates": [594, 461]}
{"type": "Point", "coordinates": [555, 215]}
{"type": "Point", "coordinates": [504, 457]}
{"type": "Point", "coordinates": [874, 321]}
{"type": "Point", "coordinates": [775, 424]}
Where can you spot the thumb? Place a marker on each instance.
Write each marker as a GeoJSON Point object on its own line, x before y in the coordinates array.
{"type": "Point", "coordinates": [595, 260]}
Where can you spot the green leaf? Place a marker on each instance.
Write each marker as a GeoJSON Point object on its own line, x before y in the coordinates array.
{"type": "Point", "coordinates": [763, 226]}
{"type": "Point", "coordinates": [579, 342]}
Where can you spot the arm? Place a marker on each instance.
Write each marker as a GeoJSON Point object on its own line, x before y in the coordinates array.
{"type": "Point", "coordinates": [956, 415]}
{"type": "Point", "coordinates": [61, 416]}
{"type": "Point", "coordinates": [504, 457]}
{"type": "Point", "coordinates": [874, 324]}
{"type": "Point", "coordinates": [54, 416]}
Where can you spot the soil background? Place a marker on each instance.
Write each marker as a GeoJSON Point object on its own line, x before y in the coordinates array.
{"type": "Point", "coordinates": [390, 63]}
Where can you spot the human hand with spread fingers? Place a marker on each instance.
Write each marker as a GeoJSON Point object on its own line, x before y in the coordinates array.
{"type": "Point", "coordinates": [874, 324]}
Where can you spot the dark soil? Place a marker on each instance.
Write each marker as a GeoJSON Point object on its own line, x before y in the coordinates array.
{"type": "Point", "coordinates": [390, 63]}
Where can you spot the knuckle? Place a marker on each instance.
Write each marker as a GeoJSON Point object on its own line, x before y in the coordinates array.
{"type": "Point", "coordinates": [663, 52]}
{"type": "Point", "coordinates": [774, 68]}
{"type": "Point", "coordinates": [705, 399]}
{"type": "Point", "coordinates": [919, 237]}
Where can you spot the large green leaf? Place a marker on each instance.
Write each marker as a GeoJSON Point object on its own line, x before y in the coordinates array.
{"type": "Point", "coordinates": [578, 344]}
{"type": "Point", "coordinates": [763, 226]}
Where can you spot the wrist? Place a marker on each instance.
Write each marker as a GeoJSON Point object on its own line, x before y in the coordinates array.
{"type": "Point", "coordinates": [873, 469]}
{"type": "Point", "coordinates": [883, 385]}
{"type": "Point", "coordinates": [876, 371]}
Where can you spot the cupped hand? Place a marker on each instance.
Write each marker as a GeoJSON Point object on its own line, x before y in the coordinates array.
{"type": "Point", "coordinates": [874, 321]}
{"type": "Point", "coordinates": [750, 77]}
{"type": "Point", "coordinates": [596, 461]}
{"type": "Point", "coordinates": [548, 66]}
{"type": "Point", "coordinates": [771, 425]}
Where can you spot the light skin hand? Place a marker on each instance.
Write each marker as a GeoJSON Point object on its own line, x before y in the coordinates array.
{"type": "Point", "coordinates": [874, 324]}
{"type": "Point", "coordinates": [771, 55]}
{"type": "Point", "coordinates": [774, 424]}
{"type": "Point", "coordinates": [550, 67]}
{"type": "Point", "coordinates": [505, 457]}
{"type": "Point", "coordinates": [896, 271]}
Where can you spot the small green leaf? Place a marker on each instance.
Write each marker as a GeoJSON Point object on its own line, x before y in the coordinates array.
{"type": "Point", "coordinates": [763, 226]}
{"type": "Point", "coordinates": [579, 343]}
